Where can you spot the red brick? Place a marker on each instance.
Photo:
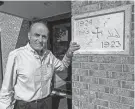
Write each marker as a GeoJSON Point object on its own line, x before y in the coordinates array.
{"type": "Point", "coordinates": [95, 107]}
{"type": "Point", "coordinates": [109, 97]}
{"type": "Point", "coordinates": [86, 65]}
{"type": "Point", "coordinates": [115, 83]}
{"type": "Point", "coordinates": [107, 4]}
{"type": "Point", "coordinates": [84, 92]}
{"type": "Point", "coordinates": [94, 66]}
{"type": "Point", "coordinates": [128, 85]}
{"type": "Point", "coordinates": [132, 44]}
{"type": "Point", "coordinates": [101, 102]}
{"type": "Point", "coordinates": [122, 92]}
{"type": "Point", "coordinates": [80, 72]}
{"type": "Point", "coordinates": [108, 74]}
{"type": "Point", "coordinates": [127, 93]}
{"type": "Point", "coordinates": [83, 3]}
{"type": "Point", "coordinates": [107, 89]}
{"type": "Point", "coordinates": [128, 68]}
{"type": "Point", "coordinates": [127, 107]}
{"type": "Point", "coordinates": [89, 8]}
{"type": "Point", "coordinates": [75, 11]}
{"type": "Point", "coordinates": [105, 59]}
{"type": "Point", "coordinates": [92, 96]}
{"type": "Point", "coordinates": [92, 106]}
{"type": "Point", "coordinates": [99, 88]}
{"type": "Point", "coordinates": [110, 82]}
{"type": "Point", "coordinates": [132, 8]}
{"type": "Point", "coordinates": [101, 107]}
{"type": "Point", "coordinates": [85, 86]}
{"type": "Point", "coordinates": [74, 70]}
{"type": "Point", "coordinates": [95, 1]}
{"type": "Point", "coordinates": [132, 20]}
{"type": "Point", "coordinates": [112, 4]}
{"type": "Point", "coordinates": [76, 65]}
{"type": "Point", "coordinates": [94, 80]}
{"type": "Point", "coordinates": [76, 84]}
{"type": "Point", "coordinates": [111, 59]}
{"type": "Point", "coordinates": [75, 78]}
{"type": "Point", "coordinates": [90, 66]}
{"type": "Point", "coordinates": [131, 51]}
{"type": "Point", "coordinates": [132, 26]}
{"type": "Point", "coordinates": [114, 98]}
{"type": "Point", "coordinates": [83, 105]}
{"type": "Point", "coordinates": [114, 75]}
{"type": "Point", "coordinates": [99, 73]}
{"type": "Point", "coordinates": [80, 58]}
{"type": "Point", "coordinates": [114, 90]}
{"type": "Point", "coordinates": [94, 58]}
{"type": "Point", "coordinates": [84, 98]}
{"type": "Point", "coordinates": [126, 76]}
{"type": "Point", "coordinates": [89, 2]}
{"type": "Point", "coordinates": [75, 97]}
{"type": "Point", "coordinates": [75, 102]}
{"type": "Point", "coordinates": [111, 67]}
{"type": "Point", "coordinates": [76, 4]}
{"type": "Point", "coordinates": [75, 107]}
{"type": "Point", "coordinates": [92, 72]}
{"type": "Point", "coordinates": [85, 79]}
{"type": "Point", "coordinates": [115, 59]}
{"type": "Point", "coordinates": [75, 91]}
{"type": "Point", "coordinates": [127, 60]}
{"type": "Point", "coordinates": [103, 81]}
{"type": "Point", "coordinates": [132, 34]}
{"type": "Point", "coordinates": [115, 105]}
{"type": "Point", "coordinates": [128, 101]}
{"type": "Point", "coordinates": [83, 72]}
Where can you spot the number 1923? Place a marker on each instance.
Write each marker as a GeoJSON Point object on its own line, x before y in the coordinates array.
{"type": "Point", "coordinates": [112, 44]}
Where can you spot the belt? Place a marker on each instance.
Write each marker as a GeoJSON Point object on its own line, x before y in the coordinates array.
{"type": "Point", "coordinates": [38, 100]}
{"type": "Point", "coordinates": [35, 101]}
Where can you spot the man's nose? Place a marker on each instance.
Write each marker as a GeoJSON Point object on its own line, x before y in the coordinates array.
{"type": "Point", "coordinates": [40, 38]}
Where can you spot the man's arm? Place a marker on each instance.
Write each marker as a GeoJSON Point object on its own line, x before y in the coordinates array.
{"type": "Point", "coordinates": [7, 90]}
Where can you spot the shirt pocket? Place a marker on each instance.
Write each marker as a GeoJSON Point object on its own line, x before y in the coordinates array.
{"type": "Point", "coordinates": [47, 73]}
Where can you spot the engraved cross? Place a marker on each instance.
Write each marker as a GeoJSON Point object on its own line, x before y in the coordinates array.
{"type": "Point", "coordinates": [98, 32]}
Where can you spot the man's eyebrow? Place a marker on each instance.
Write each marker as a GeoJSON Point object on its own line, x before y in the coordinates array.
{"type": "Point", "coordinates": [40, 34]}
{"type": "Point", "coordinates": [37, 34]}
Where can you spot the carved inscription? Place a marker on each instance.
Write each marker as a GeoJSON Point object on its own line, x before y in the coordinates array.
{"type": "Point", "coordinates": [104, 32]}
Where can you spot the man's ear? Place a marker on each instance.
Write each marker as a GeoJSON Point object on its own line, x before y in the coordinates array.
{"type": "Point", "coordinates": [29, 36]}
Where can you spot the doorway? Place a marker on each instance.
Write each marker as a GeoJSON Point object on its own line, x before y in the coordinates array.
{"type": "Point", "coordinates": [60, 37]}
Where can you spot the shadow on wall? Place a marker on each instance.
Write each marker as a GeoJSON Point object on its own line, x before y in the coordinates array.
{"type": "Point", "coordinates": [23, 35]}
{"type": "Point", "coordinates": [1, 75]}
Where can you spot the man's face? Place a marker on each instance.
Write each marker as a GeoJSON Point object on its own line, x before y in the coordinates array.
{"type": "Point", "coordinates": [38, 36]}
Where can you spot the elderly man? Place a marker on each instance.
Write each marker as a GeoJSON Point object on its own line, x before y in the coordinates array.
{"type": "Point", "coordinates": [29, 71]}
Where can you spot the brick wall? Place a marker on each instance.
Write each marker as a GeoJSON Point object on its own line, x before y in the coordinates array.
{"type": "Point", "coordinates": [102, 81]}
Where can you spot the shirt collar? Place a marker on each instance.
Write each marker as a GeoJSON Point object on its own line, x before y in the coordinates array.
{"type": "Point", "coordinates": [30, 48]}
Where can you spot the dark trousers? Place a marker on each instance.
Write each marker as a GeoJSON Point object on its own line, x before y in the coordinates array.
{"type": "Point", "coordinates": [37, 104]}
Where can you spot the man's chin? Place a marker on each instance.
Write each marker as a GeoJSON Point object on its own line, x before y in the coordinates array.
{"type": "Point", "coordinates": [39, 48]}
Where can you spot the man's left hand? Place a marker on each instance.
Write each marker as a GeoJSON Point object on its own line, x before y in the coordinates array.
{"type": "Point", "coordinates": [72, 48]}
